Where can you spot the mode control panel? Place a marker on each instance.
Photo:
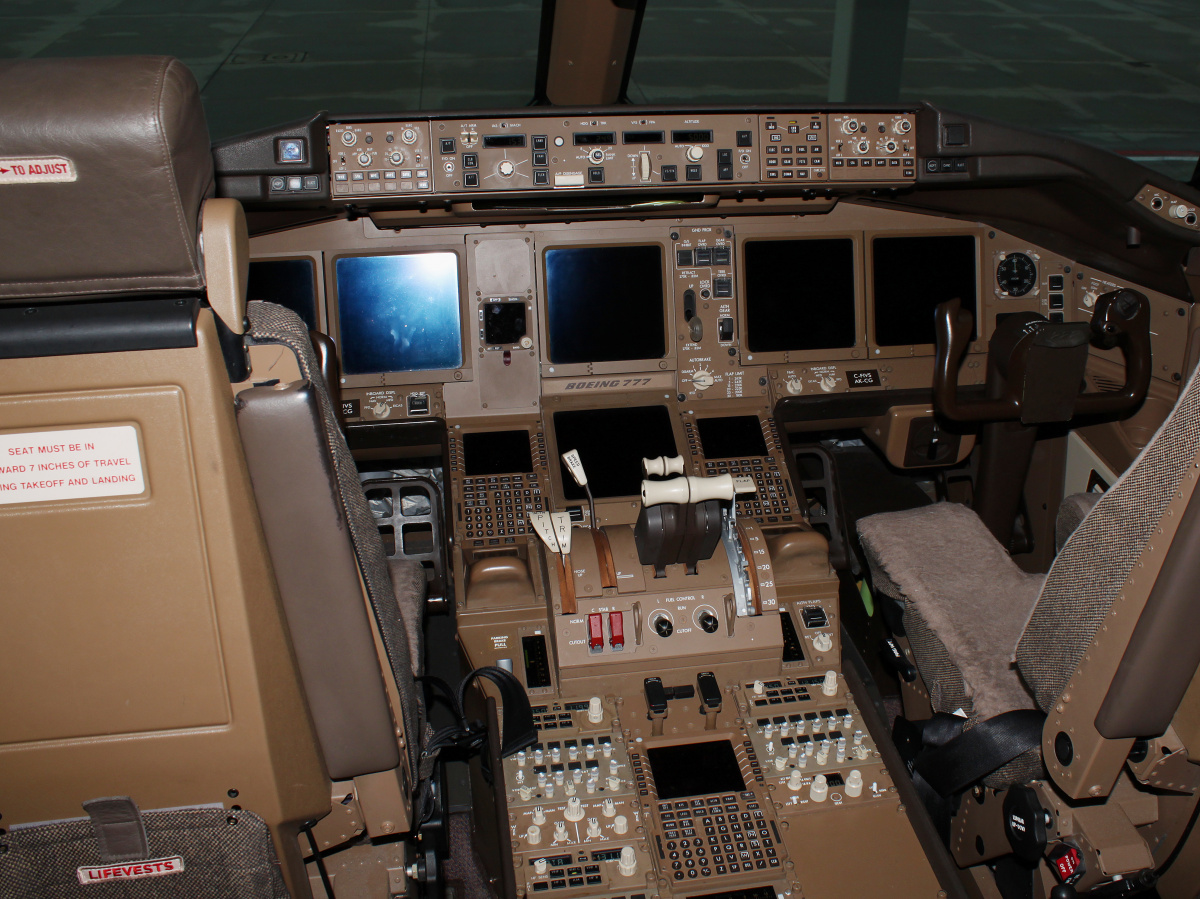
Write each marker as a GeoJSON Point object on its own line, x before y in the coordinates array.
{"type": "Point", "coordinates": [533, 153]}
{"type": "Point", "coordinates": [613, 151]}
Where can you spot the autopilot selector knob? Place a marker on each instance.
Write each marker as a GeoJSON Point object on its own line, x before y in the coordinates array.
{"type": "Point", "coordinates": [506, 168]}
{"type": "Point", "coordinates": [695, 154]}
{"type": "Point", "coordinates": [663, 626]}
{"type": "Point", "coordinates": [708, 621]}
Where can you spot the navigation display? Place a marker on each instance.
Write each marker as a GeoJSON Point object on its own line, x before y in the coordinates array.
{"type": "Point", "coordinates": [695, 769]}
{"type": "Point", "coordinates": [497, 452]}
{"type": "Point", "coordinates": [398, 313]}
{"type": "Point", "coordinates": [605, 304]}
{"type": "Point", "coordinates": [287, 282]}
{"type": "Point", "coordinates": [611, 444]}
{"type": "Point", "coordinates": [735, 436]}
{"type": "Point", "coordinates": [912, 276]}
{"type": "Point", "coordinates": [799, 294]}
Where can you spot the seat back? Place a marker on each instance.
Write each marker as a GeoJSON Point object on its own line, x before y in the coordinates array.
{"type": "Point", "coordinates": [1113, 643]}
{"type": "Point", "coordinates": [144, 644]}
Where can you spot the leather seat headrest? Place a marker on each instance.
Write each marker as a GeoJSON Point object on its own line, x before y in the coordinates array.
{"type": "Point", "coordinates": [104, 165]}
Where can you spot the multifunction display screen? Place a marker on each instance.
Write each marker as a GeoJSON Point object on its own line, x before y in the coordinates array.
{"type": "Point", "coordinates": [496, 452]}
{"type": "Point", "coordinates": [399, 313]}
{"type": "Point", "coordinates": [287, 282]}
{"type": "Point", "coordinates": [799, 294]}
{"type": "Point", "coordinates": [611, 444]}
{"type": "Point", "coordinates": [695, 769]}
{"type": "Point", "coordinates": [605, 304]}
{"type": "Point", "coordinates": [912, 276]}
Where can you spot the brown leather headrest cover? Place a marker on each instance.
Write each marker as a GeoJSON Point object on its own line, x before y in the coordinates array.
{"type": "Point", "coordinates": [104, 164]}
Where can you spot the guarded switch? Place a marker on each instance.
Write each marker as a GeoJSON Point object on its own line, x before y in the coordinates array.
{"type": "Point", "coordinates": [596, 632]}
{"type": "Point", "coordinates": [616, 630]}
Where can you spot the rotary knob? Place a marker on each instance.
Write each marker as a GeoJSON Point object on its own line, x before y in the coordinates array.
{"type": "Point", "coordinates": [381, 410]}
{"type": "Point", "coordinates": [703, 379]}
{"type": "Point", "coordinates": [506, 168]}
{"type": "Point", "coordinates": [695, 154]}
{"type": "Point", "coordinates": [663, 626]}
{"type": "Point", "coordinates": [822, 642]}
{"type": "Point", "coordinates": [861, 146]}
{"type": "Point", "coordinates": [349, 138]}
{"type": "Point", "coordinates": [818, 790]}
{"type": "Point", "coordinates": [409, 136]}
{"type": "Point", "coordinates": [395, 157]}
{"type": "Point", "coordinates": [364, 158]}
{"type": "Point", "coordinates": [794, 385]}
{"type": "Point", "coordinates": [708, 622]}
{"type": "Point", "coordinates": [540, 865]}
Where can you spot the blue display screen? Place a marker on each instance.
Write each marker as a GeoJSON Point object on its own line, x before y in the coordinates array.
{"type": "Point", "coordinates": [398, 313]}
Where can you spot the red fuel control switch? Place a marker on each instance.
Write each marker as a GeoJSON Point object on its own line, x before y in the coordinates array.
{"type": "Point", "coordinates": [596, 632]}
{"type": "Point", "coordinates": [616, 630]}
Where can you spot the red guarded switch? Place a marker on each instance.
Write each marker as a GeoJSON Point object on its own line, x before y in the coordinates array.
{"type": "Point", "coordinates": [596, 632]}
{"type": "Point", "coordinates": [616, 630]}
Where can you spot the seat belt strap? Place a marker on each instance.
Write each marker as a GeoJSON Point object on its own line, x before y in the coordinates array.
{"type": "Point", "coordinates": [964, 760]}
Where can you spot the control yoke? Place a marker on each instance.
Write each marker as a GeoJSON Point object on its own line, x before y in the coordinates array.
{"type": "Point", "coordinates": [1040, 357]}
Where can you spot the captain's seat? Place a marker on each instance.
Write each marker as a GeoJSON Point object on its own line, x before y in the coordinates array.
{"type": "Point", "coordinates": [201, 642]}
{"type": "Point", "coordinates": [1105, 646]}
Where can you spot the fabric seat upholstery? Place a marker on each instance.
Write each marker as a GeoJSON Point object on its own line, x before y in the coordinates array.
{"type": "Point", "coordinates": [966, 604]}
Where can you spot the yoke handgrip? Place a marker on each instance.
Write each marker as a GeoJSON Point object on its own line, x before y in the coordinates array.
{"type": "Point", "coordinates": [1121, 318]}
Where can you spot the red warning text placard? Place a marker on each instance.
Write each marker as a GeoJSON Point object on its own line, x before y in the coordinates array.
{"type": "Point", "coordinates": [34, 169]}
{"type": "Point", "coordinates": [43, 466]}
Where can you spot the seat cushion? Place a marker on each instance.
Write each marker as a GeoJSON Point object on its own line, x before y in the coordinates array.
{"type": "Point", "coordinates": [960, 585]}
{"type": "Point", "coordinates": [965, 606]}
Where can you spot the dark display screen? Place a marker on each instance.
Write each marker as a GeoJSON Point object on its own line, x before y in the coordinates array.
{"type": "Point", "coordinates": [288, 282]}
{"type": "Point", "coordinates": [734, 437]}
{"type": "Point", "coordinates": [398, 313]}
{"type": "Point", "coordinates": [912, 276]}
{"type": "Point", "coordinates": [799, 294]}
{"type": "Point", "coordinates": [641, 137]}
{"type": "Point", "coordinates": [497, 452]}
{"type": "Point", "coordinates": [612, 444]}
{"type": "Point", "coordinates": [605, 303]}
{"type": "Point", "coordinates": [592, 138]}
{"type": "Point", "coordinates": [695, 769]}
{"type": "Point", "coordinates": [497, 141]}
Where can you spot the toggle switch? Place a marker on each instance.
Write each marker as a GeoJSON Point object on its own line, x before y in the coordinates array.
{"type": "Point", "coordinates": [596, 632]}
{"type": "Point", "coordinates": [616, 630]}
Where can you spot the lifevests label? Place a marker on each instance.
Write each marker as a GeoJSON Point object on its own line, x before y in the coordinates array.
{"type": "Point", "coordinates": [151, 867]}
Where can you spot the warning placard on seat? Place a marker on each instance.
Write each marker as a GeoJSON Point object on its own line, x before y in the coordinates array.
{"type": "Point", "coordinates": [79, 463]}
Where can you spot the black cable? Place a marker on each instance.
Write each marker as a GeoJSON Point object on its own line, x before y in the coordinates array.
{"type": "Point", "coordinates": [325, 881]}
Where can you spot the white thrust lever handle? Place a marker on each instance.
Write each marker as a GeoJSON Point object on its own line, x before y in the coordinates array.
{"type": "Point", "coordinates": [662, 466]}
{"type": "Point", "coordinates": [694, 490]}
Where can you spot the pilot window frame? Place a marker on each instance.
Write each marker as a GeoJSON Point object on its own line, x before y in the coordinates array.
{"type": "Point", "coordinates": [584, 403]}
{"type": "Point", "coordinates": [317, 258]}
{"type": "Point", "coordinates": [747, 234]}
{"type": "Point", "coordinates": [906, 350]}
{"type": "Point", "coordinates": [466, 325]}
{"type": "Point", "coordinates": [622, 236]}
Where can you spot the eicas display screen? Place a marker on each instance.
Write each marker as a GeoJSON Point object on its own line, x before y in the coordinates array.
{"type": "Point", "coordinates": [605, 304]}
{"type": "Point", "coordinates": [912, 276]}
{"type": "Point", "coordinates": [695, 769]}
{"type": "Point", "coordinates": [735, 436]}
{"type": "Point", "coordinates": [799, 294]}
{"type": "Point", "coordinates": [286, 282]}
{"type": "Point", "coordinates": [398, 313]}
{"type": "Point", "coordinates": [612, 444]}
{"type": "Point", "coordinates": [497, 452]}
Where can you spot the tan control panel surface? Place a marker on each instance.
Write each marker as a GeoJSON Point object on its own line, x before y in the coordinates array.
{"type": "Point", "coordinates": [523, 153]}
